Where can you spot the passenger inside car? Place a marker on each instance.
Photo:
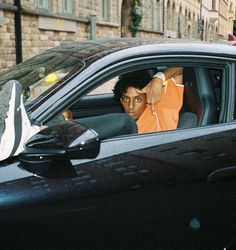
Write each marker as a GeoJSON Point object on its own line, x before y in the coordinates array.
{"type": "Point", "coordinates": [153, 104]}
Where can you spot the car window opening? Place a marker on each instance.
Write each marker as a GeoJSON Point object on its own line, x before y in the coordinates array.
{"type": "Point", "coordinates": [199, 108]}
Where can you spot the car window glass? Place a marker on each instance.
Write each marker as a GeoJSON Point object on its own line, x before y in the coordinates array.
{"type": "Point", "coordinates": [44, 83]}
{"type": "Point", "coordinates": [42, 72]}
{"type": "Point", "coordinates": [105, 88]}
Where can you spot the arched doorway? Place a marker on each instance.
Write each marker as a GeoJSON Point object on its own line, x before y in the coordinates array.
{"type": "Point", "coordinates": [126, 7]}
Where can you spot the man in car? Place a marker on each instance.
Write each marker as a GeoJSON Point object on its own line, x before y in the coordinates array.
{"type": "Point", "coordinates": [16, 128]}
{"type": "Point", "coordinates": [152, 103]}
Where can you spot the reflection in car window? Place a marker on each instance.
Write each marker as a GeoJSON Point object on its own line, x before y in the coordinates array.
{"type": "Point", "coordinates": [42, 72]}
{"type": "Point", "coordinates": [41, 86]}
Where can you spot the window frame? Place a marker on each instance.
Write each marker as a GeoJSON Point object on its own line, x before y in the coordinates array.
{"type": "Point", "coordinates": [105, 13]}
{"type": "Point", "coordinates": [42, 4]}
{"type": "Point", "coordinates": [66, 7]}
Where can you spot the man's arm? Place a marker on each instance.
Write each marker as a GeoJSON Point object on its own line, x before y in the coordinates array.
{"type": "Point", "coordinates": [173, 72]}
{"type": "Point", "coordinates": [153, 88]}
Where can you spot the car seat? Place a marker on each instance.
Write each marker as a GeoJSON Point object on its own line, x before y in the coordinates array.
{"type": "Point", "coordinates": [199, 102]}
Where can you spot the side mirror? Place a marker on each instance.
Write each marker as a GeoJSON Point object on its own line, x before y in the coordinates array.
{"type": "Point", "coordinates": [54, 147]}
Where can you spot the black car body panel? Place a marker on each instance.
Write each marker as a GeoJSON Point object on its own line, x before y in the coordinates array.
{"type": "Point", "coordinates": [182, 160]}
{"type": "Point", "coordinates": [166, 190]}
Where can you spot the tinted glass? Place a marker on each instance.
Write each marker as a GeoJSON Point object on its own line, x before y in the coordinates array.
{"type": "Point", "coordinates": [41, 73]}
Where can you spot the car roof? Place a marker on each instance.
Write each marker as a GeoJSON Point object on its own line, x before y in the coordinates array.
{"type": "Point", "coordinates": [92, 50]}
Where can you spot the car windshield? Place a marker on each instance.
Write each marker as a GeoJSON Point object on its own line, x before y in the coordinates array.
{"type": "Point", "coordinates": [41, 73]}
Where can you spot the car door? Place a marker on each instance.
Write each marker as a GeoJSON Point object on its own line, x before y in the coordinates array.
{"type": "Point", "coordinates": [181, 183]}
{"type": "Point", "coordinates": [167, 190]}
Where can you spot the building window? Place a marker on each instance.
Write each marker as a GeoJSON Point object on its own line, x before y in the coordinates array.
{"type": "Point", "coordinates": [42, 4]}
{"type": "Point", "coordinates": [194, 30]}
{"type": "Point", "coordinates": [157, 16]}
{"type": "Point", "coordinates": [105, 10]}
{"type": "Point", "coordinates": [213, 5]}
{"type": "Point", "coordinates": [180, 22]}
{"type": "Point", "coordinates": [174, 17]}
{"type": "Point", "coordinates": [186, 23]}
{"type": "Point", "coordinates": [169, 17]}
{"type": "Point", "coordinates": [66, 6]}
{"type": "Point", "coordinates": [150, 14]}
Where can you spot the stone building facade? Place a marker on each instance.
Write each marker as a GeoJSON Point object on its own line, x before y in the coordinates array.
{"type": "Point", "coordinates": [217, 19]}
{"type": "Point", "coordinates": [182, 18]}
{"type": "Point", "coordinates": [28, 27]}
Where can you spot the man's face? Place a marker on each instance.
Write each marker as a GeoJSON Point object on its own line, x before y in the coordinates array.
{"type": "Point", "coordinates": [133, 103]}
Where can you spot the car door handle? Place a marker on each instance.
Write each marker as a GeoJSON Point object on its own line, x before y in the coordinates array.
{"type": "Point", "coordinates": [228, 173]}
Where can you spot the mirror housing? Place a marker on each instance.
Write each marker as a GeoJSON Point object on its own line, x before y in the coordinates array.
{"type": "Point", "coordinates": [56, 145]}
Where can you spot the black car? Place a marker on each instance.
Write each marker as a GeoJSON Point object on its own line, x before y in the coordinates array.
{"type": "Point", "coordinates": [86, 185]}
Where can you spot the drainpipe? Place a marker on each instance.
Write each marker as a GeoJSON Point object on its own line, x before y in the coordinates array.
{"type": "Point", "coordinates": [163, 24]}
{"type": "Point", "coordinates": [93, 24]}
{"type": "Point", "coordinates": [18, 31]}
{"type": "Point", "coordinates": [201, 24]}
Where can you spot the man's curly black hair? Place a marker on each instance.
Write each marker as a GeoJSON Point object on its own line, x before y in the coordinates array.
{"type": "Point", "coordinates": [137, 79]}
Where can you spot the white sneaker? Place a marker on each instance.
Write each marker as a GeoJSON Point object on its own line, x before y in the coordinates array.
{"type": "Point", "coordinates": [15, 126]}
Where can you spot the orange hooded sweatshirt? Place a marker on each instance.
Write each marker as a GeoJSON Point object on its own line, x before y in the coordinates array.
{"type": "Point", "coordinates": [167, 110]}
